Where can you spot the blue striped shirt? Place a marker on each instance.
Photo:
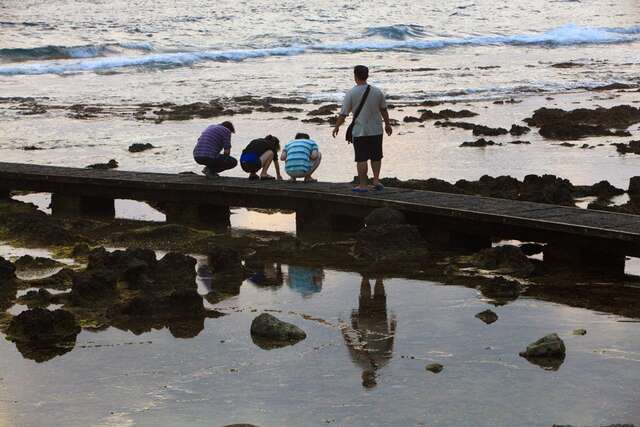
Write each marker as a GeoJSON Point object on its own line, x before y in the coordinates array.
{"type": "Point", "coordinates": [299, 155]}
{"type": "Point", "coordinates": [212, 141]}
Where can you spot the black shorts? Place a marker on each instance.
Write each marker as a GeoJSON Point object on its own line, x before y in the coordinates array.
{"type": "Point", "coordinates": [368, 148]}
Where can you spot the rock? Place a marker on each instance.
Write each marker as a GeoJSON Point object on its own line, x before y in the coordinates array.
{"type": "Point", "coordinates": [176, 270]}
{"type": "Point", "coordinates": [91, 287]}
{"type": "Point", "coordinates": [548, 352]}
{"type": "Point", "coordinates": [431, 184]}
{"type": "Point", "coordinates": [487, 316]}
{"type": "Point", "coordinates": [369, 378]}
{"type": "Point", "coordinates": [580, 332]}
{"type": "Point", "coordinates": [27, 262]}
{"type": "Point", "coordinates": [501, 289]}
{"type": "Point", "coordinates": [519, 130]}
{"type": "Point", "coordinates": [630, 147]}
{"type": "Point", "coordinates": [39, 298]}
{"type": "Point", "coordinates": [7, 271]}
{"type": "Point", "coordinates": [489, 131]}
{"type": "Point", "coordinates": [531, 248]}
{"type": "Point", "coordinates": [547, 189]}
{"type": "Point", "coordinates": [555, 123]}
{"type": "Point", "coordinates": [436, 368]}
{"type": "Point", "coordinates": [567, 65]}
{"type": "Point", "coordinates": [385, 216]}
{"type": "Point", "coordinates": [390, 241]}
{"type": "Point", "coordinates": [479, 143]}
{"type": "Point", "coordinates": [268, 327]}
{"type": "Point", "coordinates": [603, 190]}
{"type": "Point", "coordinates": [41, 334]}
{"type": "Point", "coordinates": [111, 164]}
{"type": "Point", "coordinates": [138, 147]}
{"type": "Point", "coordinates": [506, 258]}
{"type": "Point", "coordinates": [62, 280]}
{"type": "Point", "coordinates": [519, 142]}
{"type": "Point", "coordinates": [325, 110]}
{"type": "Point", "coordinates": [224, 260]}
{"type": "Point", "coordinates": [80, 250]}
{"type": "Point", "coordinates": [612, 86]}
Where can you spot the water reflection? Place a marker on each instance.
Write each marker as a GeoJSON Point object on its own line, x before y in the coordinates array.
{"type": "Point", "coordinates": [371, 334]}
{"type": "Point", "coordinates": [305, 280]}
{"type": "Point", "coordinates": [264, 274]}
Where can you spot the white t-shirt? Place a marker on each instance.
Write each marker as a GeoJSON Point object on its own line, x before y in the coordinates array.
{"type": "Point", "coordinates": [369, 122]}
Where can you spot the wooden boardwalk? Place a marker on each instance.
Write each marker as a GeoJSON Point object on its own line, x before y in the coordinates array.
{"type": "Point", "coordinates": [322, 206]}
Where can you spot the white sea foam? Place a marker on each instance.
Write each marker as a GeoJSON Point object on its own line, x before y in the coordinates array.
{"type": "Point", "coordinates": [562, 36]}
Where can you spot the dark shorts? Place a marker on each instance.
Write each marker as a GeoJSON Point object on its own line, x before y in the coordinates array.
{"type": "Point", "coordinates": [250, 162]}
{"type": "Point", "coordinates": [368, 148]}
{"type": "Point", "coordinates": [219, 164]}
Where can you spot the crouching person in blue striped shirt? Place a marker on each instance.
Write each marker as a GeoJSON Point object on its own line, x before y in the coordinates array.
{"type": "Point", "coordinates": [301, 157]}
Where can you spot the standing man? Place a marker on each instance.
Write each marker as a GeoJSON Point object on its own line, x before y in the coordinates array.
{"type": "Point", "coordinates": [213, 149]}
{"type": "Point", "coordinates": [367, 127]}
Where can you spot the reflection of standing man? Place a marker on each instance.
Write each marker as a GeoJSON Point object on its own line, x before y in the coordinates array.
{"type": "Point", "coordinates": [370, 338]}
{"type": "Point", "coordinates": [367, 127]}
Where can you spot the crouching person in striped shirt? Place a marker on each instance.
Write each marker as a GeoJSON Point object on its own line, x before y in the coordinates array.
{"type": "Point", "coordinates": [213, 149]}
{"type": "Point", "coordinates": [301, 157]}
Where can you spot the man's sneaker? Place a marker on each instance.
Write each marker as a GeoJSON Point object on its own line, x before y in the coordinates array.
{"type": "Point", "coordinates": [211, 175]}
{"type": "Point", "coordinates": [205, 170]}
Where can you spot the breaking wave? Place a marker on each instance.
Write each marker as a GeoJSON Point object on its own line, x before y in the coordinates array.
{"type": "Point", "coordinates": [68, 52]}
{"type": "Point", "coordinates": [562, 36]}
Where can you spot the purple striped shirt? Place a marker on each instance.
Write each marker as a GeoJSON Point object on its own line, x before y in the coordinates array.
{"type": "Point", "coordinates": [212, 141]}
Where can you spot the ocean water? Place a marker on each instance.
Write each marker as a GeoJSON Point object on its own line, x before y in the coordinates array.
{"type": "Point", "coordinates": [99, 51]}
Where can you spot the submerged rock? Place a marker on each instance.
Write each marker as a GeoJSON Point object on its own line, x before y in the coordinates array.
{"type": "Point", "coordinates": [548, 352]}
{"type": "Point", "coordinates": [272, 330]}
{"type": "Point", "coordinates": [7, 271]}
{"type": "Point", "coordinates": [436, 368]}
{"type": "Point", "coordinates": [580, 332]}
{"type": "Point", "coordinates": [501, 290]}
{"type": "Point", "coordinates": [487, 316]}
{"type": "Point", "coordinates": [479, 143]}
{"type": "Point", "coordinates": [517, 130]}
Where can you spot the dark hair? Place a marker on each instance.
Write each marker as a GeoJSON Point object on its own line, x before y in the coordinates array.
{"type": "Point", "coordinates": [229, 126]}
{"type": "Point", "coordinates": [301, 135]}
{"type": "Point", "coordinates": [361, 72]}
{"type": "Point", "coordinates": [275, 141]}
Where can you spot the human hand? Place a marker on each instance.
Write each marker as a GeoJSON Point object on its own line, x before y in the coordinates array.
{"type": "Point", "coordinates": [388, 129]}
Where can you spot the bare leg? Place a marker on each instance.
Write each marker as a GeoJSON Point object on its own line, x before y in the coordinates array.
{"type": "Point", "coordinates": [266, 160]}
{"type": "Point", "coordinates": [362, 175]}
{"type": "Point", "coordinates": [375, 167]}
{"type": "Point", "coordinates": [316, 163]}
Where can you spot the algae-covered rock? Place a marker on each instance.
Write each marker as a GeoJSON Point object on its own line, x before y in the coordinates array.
{"type": "Point", "coordinates": [27, 262]}
{"type": "Point", "coordinates": [7, 271]}
{"type": "Point", "coordinates": [384, 216]}
{"type": "Point", "coordinates": [500, 289]}
{"type": "Point", "coordinates": [270, 330]}
{"type": "Point", "coordinates": [390, 241]}
{"type": "Point", "coordinates": [506, 259]}
{"type": "Point", "coordinates": [92, 286]}
{"type": "Point", "coordinates": [548, 352]}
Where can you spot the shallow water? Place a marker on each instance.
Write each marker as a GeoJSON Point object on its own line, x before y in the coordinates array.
{"type": "Point", "coordinates": [220, 376]}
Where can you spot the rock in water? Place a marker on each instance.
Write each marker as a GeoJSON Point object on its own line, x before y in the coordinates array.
{"type": "Point", "coordinates": [138, 147]}
{"type": "Point", "coordinates": [506, 258]}
{"type": "Point", "coordinates": [7, 270]}
{"type": "Point", "coordinates": [268, 327]}
{"type": "Point", "coordinates": [487, 316]}
{"type": "Point", "coordinates": [436, 368]}
{"type": "Point", "coordinates": [384, 216]}
{"type": "Point", "coordinates": [111, 164]}
{"type": "Point", "coordinates": [548, 352]}
{"type": "Point", "coordinates": [580, 332]}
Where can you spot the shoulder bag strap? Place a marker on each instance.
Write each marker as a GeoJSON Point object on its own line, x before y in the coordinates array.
{"type": "Point", "coordinates": [362, 101]}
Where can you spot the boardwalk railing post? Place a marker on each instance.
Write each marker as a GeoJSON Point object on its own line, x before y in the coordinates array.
{"type": "Point", "coordinates": [70, 205]}
{"type": "Point", "coordinates": [185, 213]}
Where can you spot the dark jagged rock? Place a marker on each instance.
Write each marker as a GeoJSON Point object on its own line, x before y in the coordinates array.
{"type": "Point", "coordinates": [519, 142]}
{"type": "Point", "coordinates": [203, 110]}
{"type": "Point", "coordinates": [479, 143]}
{"type": "Point", "coordinates": [517, 130]}
{"type": "Point", "coordinates": [612, 86]}
{"type": "Point", "coordinates": [176, 270]}
{"type": "Point", "coordinates": [80, 250]}
{"type": "Point", "coordinates": [436, 368]}
{"type": "Point", "coordinates": [506, 259]}
{"type": "Point", "coordinates": [325, 110]}
{"type": "Point", "coordinates": [548, 352]}
{"type": "Point", "coordinates": [384, 216]}
{"type": "Point", "coordinates": [567, 65]}
{"type": "Point", "coordinates": [38, 228]}
{"type": "Point", "coordinates": [139, 147]}
{"type": "Point", "coordinates": [547, 189]}
{"type": "Point", "coordinates": [224, 260]}
{"type": "Point", "coordinates": [555, 123]}
{"type": "Point", "coordinates": [62, 280]}
{"type": "Point", "coordinates": [444, 114]}
{"type": "Point", "coordinates": [634, 186]}
{"type": "Point", "coordinates": [487, 316]}
{"type": "Point", "coordinates": [461, 125]}
{"type": "Point", "coordinates": [33, 298]}
{"type": "Point", "coordinates": [27, 262]}
{"type": "Point", "coordinates": [632, 147]}
{"type": "Point", "coordinates": [41, 334]}
{"type": "Point", "coordinates": [431, 184]}
{"type": "Point", "coordinates": [504, 187]}
{"type": "Point", "coordinates": [111, 164]}
{"type": "Point", "coordinates": [268, 329]}
{"type": "Point", "coordinates": [488, 131]}
{"type": "Point", "coordinates": [91, 287]}
{"type": "Point", "coordinates": [603, 190]}
{"type": "Point", "coordinates": [268, 108]}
